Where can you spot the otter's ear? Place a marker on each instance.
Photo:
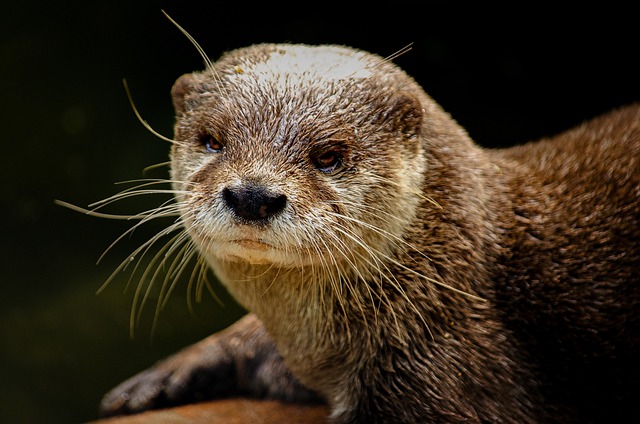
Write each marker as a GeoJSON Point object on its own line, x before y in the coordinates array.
{"type": "Point", "coordinates": [181, 89]}
{"type": "Point", "coordinates": [405, 114]}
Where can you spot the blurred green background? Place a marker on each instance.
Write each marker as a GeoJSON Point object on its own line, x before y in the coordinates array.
{"type": "Point", "coordinates": [67, 132]}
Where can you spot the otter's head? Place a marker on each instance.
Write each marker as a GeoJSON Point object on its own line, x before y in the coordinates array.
{"type": "Point", "coordinates": [295, 155]}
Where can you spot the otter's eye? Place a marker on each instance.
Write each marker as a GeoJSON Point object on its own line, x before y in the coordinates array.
{"type": "Point", "coordinates": [328, 161]}
{"type": "Point", "coordinates": [211, 143]}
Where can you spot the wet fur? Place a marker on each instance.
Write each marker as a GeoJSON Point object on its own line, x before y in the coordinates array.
{"type": "Point", "coordinates": [429, 280]}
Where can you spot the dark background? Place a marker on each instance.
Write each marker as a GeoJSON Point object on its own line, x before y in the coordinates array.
{"type": "Point", "coordinates": [67, 132]}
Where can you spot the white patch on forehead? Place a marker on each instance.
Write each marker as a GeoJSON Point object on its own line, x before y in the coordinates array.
{"type": "Point", "coordinates": [295, 63]}
{"type": "Point", "coordinates": [330, 62]}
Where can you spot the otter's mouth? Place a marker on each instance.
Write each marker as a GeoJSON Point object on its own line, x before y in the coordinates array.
{"type": "Point", "coordinates": [252, 244]}
{"type": "Point", "coordinates": [254, 250]}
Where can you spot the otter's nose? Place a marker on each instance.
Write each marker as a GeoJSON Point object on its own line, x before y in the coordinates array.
{"type": "Point", "coordinates": [253, 202]}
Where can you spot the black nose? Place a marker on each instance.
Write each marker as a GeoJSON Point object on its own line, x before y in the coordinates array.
{"type": "Point", "coordinates": [253, 202]}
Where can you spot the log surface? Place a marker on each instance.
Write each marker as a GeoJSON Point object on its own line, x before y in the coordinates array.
{"type": "Point", "coordinates": [228, 411]}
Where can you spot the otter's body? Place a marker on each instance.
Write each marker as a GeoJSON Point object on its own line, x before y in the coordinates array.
{"type": "Point", "coordinates": [393, 267]}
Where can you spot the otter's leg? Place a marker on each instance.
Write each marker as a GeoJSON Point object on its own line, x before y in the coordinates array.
{"type": "Point", "coordinates": [239, 361]}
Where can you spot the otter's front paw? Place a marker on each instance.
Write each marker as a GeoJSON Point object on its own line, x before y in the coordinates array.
{"type": "Point", "coordinates": [202, 371]}
{"type": "Point", "coordinates": [241, 360]}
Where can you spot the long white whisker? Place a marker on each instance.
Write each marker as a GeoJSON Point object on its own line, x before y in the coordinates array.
{"type": "Point", "coordinates": [399, 53]}
{"type": "Point", "coordinates": [160, 212]}
{"type": "Point", "coordinates": [137, 251]}
{"type": "Point", "coordinates": [142, 121]}
{"type": "Point", "coordinates": [373, 262]}
{"type": "Point", "coordinates": [193, 41]}
{"type": "Point", "coordinates": [408, 246]}
{"type": "Point", "coordinates": [151, 266]}
{"type": "Point", "coordinates": [203, 54]}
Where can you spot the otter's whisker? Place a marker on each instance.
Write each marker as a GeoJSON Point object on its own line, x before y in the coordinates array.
{"type": "Point", "coordinates": [342, 248]}
{"type": "Point", "coordinates": [373, 261]}
{"type": "Point", "coordinates": [156, 269]}
{"type": "Point", "coordinates": [398, 53]}
{"type": "Point", "coordinates": [142, 121]}
{"type": "Point", "coordinates": [332, 278]}
{"type": "Point", "coordinates": [161, 212]}
{"type": "Point", "coordinates": [157, 165]}
{"type": "Point", "coordinates": [203, 54]}
{"type": "Point", "coordinates": [141, 249]}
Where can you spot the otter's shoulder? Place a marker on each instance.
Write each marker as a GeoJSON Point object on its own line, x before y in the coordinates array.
{"type": "Point", "coordinates": [608, 141]}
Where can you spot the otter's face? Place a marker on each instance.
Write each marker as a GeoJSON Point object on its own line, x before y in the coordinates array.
{"type": "Point", "coordinates": [294, 156]}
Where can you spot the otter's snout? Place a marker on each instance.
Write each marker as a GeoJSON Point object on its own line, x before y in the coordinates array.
{"type": "Point", "coordinates": [251, 202]}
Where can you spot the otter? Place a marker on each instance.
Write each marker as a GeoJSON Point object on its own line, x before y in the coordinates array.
{"type": "Point", "coordinates": [394, 269]}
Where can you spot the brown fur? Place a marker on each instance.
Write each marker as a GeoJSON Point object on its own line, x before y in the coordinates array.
{"type": "Point", "coordinates": [424, 280]}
